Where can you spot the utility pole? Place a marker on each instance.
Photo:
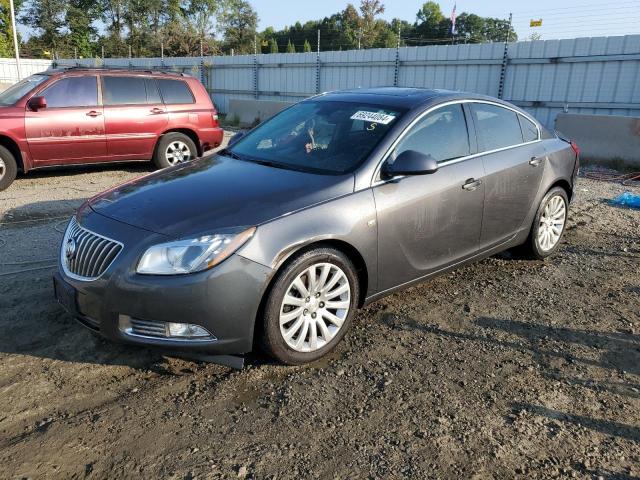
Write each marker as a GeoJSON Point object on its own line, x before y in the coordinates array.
{"type": "Point", "coordinates": [318, 64]}
{"type": "Point", "coordinates": [396, 73]}
{"type": "Point", "coordinates": [15, 38]}
{"type": "Point", "coordinates": [359, 38]}
{"type": "Point", "coordinates": [505, 58]}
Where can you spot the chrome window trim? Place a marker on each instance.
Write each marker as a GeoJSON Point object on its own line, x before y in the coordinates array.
{"type": "Point", "coordinates": [376, 180]}
{"type": "Point", "coordinates": [63, 262]}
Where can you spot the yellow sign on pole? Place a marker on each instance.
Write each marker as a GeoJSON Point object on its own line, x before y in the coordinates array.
{"type": "Point", "coordinates": [535, 23]}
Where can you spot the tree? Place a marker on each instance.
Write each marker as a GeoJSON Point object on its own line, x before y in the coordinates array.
{"type": "Point", "coordinates": [238, 22]}
{"type": "Point", "coordinates": [46, 18]}
{"type": "Point", "coordinates": [273, 45]}
{"type": "Point", "coordinates": [307, 46]}
{"type": "Point", "coordinates": [430, 22]}
{"type": "Point", "coordinates": [6, 30]}
{"type": "Point", "coordinates": [290, 47]}
{"type": "Point", "coordinates": [371, 27]}
{"type": "Point", "coordinates": [79, 17]}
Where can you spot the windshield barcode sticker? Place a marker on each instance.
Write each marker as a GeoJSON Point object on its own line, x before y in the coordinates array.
{"type": "Point", "coordinates": [374, 117]}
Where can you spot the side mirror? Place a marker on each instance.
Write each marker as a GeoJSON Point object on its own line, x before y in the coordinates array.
{"type": "Point", "coordinates": [410, 162]}
{"type": "Point", "coordinates": [236, 137]}
{"type": "Point", "coordinates": [37, 103]}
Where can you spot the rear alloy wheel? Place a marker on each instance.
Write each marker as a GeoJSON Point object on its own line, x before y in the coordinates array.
{"type": "Point", "coordinates": [8, 168]}
{"type": "Point", "coordinates": [174, 149]}
{"type": "Point", "coordinates": [549, 224]}
{"type": "Point", "coordinates": [310, 306]}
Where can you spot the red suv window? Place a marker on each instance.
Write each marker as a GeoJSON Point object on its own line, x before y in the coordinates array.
{"type": "Point", "coordinates": [72, 92]}
{"type": "Point", "coordinates": [175, 91]}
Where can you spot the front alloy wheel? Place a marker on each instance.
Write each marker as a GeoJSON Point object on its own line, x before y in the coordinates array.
{"type": "Point", "coordinates": [310, 306]}
{"type": "Point", "coordinates": [315, 307]}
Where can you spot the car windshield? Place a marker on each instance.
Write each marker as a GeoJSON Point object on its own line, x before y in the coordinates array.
{"type": "Point", "coordinates": [15, 92]}
{"type": "Point", "coordinates": [327, 137]}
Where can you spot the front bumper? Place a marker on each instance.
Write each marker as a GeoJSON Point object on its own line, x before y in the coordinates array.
{"type": "Point", "coordinates": [224, 300]}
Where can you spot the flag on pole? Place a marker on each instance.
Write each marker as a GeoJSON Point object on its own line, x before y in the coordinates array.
{"type": "Point", "coordinates": [453, 21]}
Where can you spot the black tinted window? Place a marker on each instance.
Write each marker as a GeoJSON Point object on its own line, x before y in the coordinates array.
{"type": "Point", "coordinates": [72, 92]}
{"type": "Point", "coordinates": [497, 127]}
{"type": "Point", "coordinates": [124, 90]}
{"type": "Point", "coordinates": [153, 96]}
{"type": "Point", "coordinates": [529, 129]}
{"type": "Point", "coordinates": [175, 91]}
{"type": "Point", "coordinates": [441, 134]}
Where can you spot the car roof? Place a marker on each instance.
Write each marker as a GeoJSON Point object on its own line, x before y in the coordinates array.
{"type": "Point", "coordinates": [404, 97]}
{"type": "Point", "coordinates": [113, 71]}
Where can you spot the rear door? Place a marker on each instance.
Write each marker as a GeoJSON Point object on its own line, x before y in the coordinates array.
{"type": "Point", "coordinates": [514, 161]}
{"type": "Point", "coordinates": [71, 128]}
{"type": "Point", "coordinates": [428, 222]}
{"type": "Point", "coordinates": [134, 116]}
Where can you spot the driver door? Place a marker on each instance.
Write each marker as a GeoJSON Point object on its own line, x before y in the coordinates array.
{"type": "Point", "coordinates": [429, 222]}
{"type": "Point", "coordinates": [71, 128]}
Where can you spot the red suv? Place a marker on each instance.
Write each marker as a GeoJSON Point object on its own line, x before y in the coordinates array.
{"type": "Point", "coordinates": [81, 116]}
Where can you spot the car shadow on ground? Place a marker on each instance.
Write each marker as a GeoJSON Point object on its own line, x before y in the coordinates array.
{"type": "Point", "coordinates": [619, 352]}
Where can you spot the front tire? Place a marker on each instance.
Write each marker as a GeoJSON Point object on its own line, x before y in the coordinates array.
{"type": "Point", "coordinates": [8, 168]}
{"type": "Point", "coordinates": [174, 148]}
{"type": "Point", "coordinates": [548, 224]}
{"type": "Point", "coordinates": [310, 306]}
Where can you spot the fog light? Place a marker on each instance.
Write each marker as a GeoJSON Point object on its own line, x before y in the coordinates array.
{"type": "Point", "coordinates": [187, 330]}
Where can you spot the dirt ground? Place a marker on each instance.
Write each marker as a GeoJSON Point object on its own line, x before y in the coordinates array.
{"type": "Point", "coordinates": [504, 369]}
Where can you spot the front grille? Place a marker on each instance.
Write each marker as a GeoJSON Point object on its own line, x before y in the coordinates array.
{"type": "Point", "coordinates": [147, 328]}
{"type": "Point", "coordinates": [85, 254]}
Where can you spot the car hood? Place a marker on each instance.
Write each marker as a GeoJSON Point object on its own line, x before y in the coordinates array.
{"type": "Point", "coordinates": [215, 194]}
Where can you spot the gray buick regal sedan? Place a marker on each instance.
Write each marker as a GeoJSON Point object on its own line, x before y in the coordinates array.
{"type": "Point", "coordinates": [331, 204]}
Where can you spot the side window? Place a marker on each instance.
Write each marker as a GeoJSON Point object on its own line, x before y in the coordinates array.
{"type": "Point", "coordinates": [153, 95]}
{"type": "Point", "coordinates": [497, 127]}
{"type": "Point", "coordinates": [72, 92]}
{"type": "Point", "coordinates": [124, 90]}
{"type": "Point", "coordinates": [529, 129]}
{"type": "Point", "coordinates": [175, 91]}
{"type": "Point", "coordinates": [441, 134]}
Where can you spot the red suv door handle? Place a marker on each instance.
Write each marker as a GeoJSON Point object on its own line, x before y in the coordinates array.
{"type": "Point", "coordinates": [157, 110]}
{"type": "Point", "coordinates": [93, 113]}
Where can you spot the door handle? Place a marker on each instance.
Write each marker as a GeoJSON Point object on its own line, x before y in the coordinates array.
{"type": "Point", "coordinates": [93, 113]}
{"type": "Point", "coordinates": [535, 161]}
{"type": "Point", "coordinates": [471, 184]}
{"type": "Point", "coordinates": [157, 110]}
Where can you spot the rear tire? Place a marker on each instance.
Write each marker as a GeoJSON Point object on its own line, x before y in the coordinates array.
{"type": "Point", "coordinates": [548, 225]}
{"type": "Point", "coordinates": [173, 149]}
{"type": "Point", "coordinates": [310, 306]}
{"type": "Point", "coordinates": [8, 168]}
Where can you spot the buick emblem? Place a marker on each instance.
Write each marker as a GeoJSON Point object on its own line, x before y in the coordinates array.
{"type": "Point", "coordinates": [70, 249]}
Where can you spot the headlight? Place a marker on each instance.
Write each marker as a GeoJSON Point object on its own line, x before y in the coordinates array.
{"type": "Point", "coordinates": [191, 255]}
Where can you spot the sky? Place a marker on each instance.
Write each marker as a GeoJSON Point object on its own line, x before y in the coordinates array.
{"type": "Point", "coordinates": [560, 19]}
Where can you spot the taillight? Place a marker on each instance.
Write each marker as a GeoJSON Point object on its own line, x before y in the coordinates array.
{"type": "Point", "coordinates": [214, 115]}
{"type": "Point", "coordinates": [575, 147]}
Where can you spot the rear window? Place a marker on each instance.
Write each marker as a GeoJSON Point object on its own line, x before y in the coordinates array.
{"type": "Point", "coordinates": [124, 90]}
{"type": "Point", "coordinates": [497, 127]}
{"type": "Point", "coordinates": [175, 91]}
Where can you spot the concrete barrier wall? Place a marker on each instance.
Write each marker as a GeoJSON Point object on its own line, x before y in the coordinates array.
{"type": "Point", "coordinates": [603, 138]}
{"type": "Point", "coordinates": [247, 112]}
